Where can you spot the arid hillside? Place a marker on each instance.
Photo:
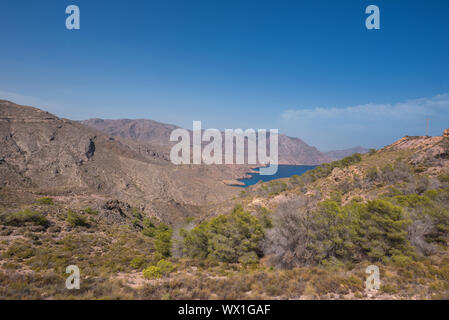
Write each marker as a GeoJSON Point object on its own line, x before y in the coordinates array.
{"type": "Point", "coordinates": [291, 150]}
{"type": "Point", "coordinates": [307, 237]}
{"type": "Point", "coordinates": [41, 153]}
{"type": "Point", "coordinates": [139, 227]}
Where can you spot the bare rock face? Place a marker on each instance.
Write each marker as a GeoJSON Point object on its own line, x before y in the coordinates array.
{"type": "Point", "coordinates": [40, 147]}
{"type": "Point", "coordinates": [117, 212]}
{"type": "Point", "coordinates": [446, 133]}
{"type": "Point", "coordinates": [118, 207]}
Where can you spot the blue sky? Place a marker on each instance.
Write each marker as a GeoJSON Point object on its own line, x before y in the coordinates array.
{"type": "Point", "coordinates": [309, 68]}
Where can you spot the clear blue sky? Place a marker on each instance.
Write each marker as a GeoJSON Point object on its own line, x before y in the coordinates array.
{"type": "Point", "coordinates": [309, 68]}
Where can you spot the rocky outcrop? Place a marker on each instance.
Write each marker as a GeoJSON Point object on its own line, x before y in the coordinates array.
{"type": "Point", "coordinates": [117, 212]}
{"type": "Point", "coordinates": [446, 133]}
{"type": "Point", "coordinates": [90, 149]}
{"type": "Point", "coordinates": [432, 152]}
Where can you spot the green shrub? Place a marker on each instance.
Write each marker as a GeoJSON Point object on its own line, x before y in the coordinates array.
{"type": "Point", "coordinates": [444, 178]}
{"type": "Point", "coordinates": [357, 199]}
{"type": "Point", "coordinates": [76, 219]}
{"type": "Point", "coordinates": [224, 238]}
{"type": "Point", "coordinates": [148, 232]}
{"type": "Point", "coordinates": [196, 241]}
{"type": "Point", "coordinates": [149, 227]}
{"type": "Point", "coordinates": [90, 211]}
{"type": "Point", "coordinates": [382, 230]}
{"type": "Point", "coordinates": [190, 219]}
{"type": "Point", "coordinates": [165, 266]}
{"type": "Point", "coordinates": [336, 196]}
{"type": "Point", "coordinates": [45, 201]}
{"type": "Point", "coordinates": [412, 201]}
{"type": "Point", "coordinates": [249, 258]}
{"type": "Point", "coordinates": [389, 288]}
{"type": "Point", "coordinates": [333, 236]}
{"type": "Point", "coordinates": [135, 222]}
{"type": "Point", "coordinates": [163, 243]}
{"type": "Point", "coordinates": [136, 213]}
{"type": "Point", "coordinates": [372, 174]}
{"type": "Point", "coordinates": [437, 210]}
{"type": "Point", "coordinates": [325, 169]}
{"type": "Point", "coordinates": [276, 187]}
{"type": "Point", "coordinates": [20, 218]}
{"type": "Point", "coordinates": [401, 260]}
{"type": "Point", "coordinates": [152, 272]}
{"type": "Point", "coordinates": [264, 216]}
{"type": "Point", "coordinates": [20, 250]}
{"type": "Point", "coordinates": [137, 262]}
{"type": "Point", "coordinates": [325, 236]}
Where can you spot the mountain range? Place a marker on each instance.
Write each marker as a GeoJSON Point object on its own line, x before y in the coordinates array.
{"type": "Point", "coordinates": [43, 153]}
{"type": "Point", "coordinates": [292, 151]}
{"type": "Point", "coordinates": [118, 159]}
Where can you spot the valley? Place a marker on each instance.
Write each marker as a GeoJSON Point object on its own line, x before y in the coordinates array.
{"type": "Point", "coordinates": [103, 195]}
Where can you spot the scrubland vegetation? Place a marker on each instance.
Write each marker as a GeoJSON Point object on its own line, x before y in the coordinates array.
{"type": "Point", "coordinates": [304, 237]}
{"type": "Point", "coordinates": [228, 238]}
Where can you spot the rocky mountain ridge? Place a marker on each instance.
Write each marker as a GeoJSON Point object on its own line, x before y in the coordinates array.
{"type": "Point", "coordinates": [292, 151]}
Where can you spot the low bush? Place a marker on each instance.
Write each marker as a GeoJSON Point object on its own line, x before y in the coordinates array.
{"type": "Point", "coordinates": [152, 272]}
{"type": "Point", "coordinates": [249, 258]}
{"type": "Point", "coordinates": [20, 218]}
{"type": "Point", "coordinates": [444, 179]}
{"type": "Point", "coordinates": [333, 235]}
{"type": "Point", "coordinates": [76, 219]}
{"type": "Point", "coordinates": [162, 268]}
{"type": "Point", "coordinates": [165, 266]}
{"type": "Point", "coordinates": [149, 227]}
{"type": "Point", "coordinates": [45, 201]}
{"type": "Point", "coordinates": [137, 262]}
{"type": "Point", "coordinates": [163, 242]}
{"type": "Point", "coordinates": [90, 211]}
{"type": "Point", "coordinates": [225, 238]}
{"type": "Point", "coordinates": [264, 216]}
{"type": "Point", "coordinates": [372, 174]}
{"type": "Point", "coordinates": [382, 230]}
{"type": "Point", "coordinates": [137, 213]}
{"type": "Point", "coordinates": [325, 170]}
{"type": "Point", "coordinates": [20, 251]}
